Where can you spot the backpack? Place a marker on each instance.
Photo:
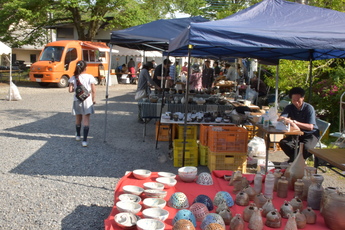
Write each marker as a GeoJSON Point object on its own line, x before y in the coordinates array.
{"type": "Point", "coordinates": [81, 92]}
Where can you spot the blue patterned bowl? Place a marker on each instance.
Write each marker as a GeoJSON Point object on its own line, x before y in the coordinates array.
{"type": "Point", "coordinates": [223, 196]}
{"type": "Point", "coordinates": [178, 200]}
{"type": "Point", "coordinates": [205, 200]}
{"type": "Point", "coordinates": [184, 214]}
{"type": "Point", "coordinates": [212, 218]}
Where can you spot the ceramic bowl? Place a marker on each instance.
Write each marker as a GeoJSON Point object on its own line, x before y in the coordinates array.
{"type": "Point", "coordinates": [130, 197]}
{"type": "Point", "coordinates": [152, 193]}
{"type": "Point", "coordinates": [212, 218]}
{"type": "Point", "coordinates": [126, 220]}
{"type": "Point", "coordinates": [150, 224]}
{"type": "Point", "coordinates": [154, 203]}
{"type": "Point", "coordinates": [188, 173]}
{"type": "Point", "coordinates": [178, 200]}
{"type": "Point", "coordinates": [183, 224]}
{"type": "Point", "coordinates": [156, 213]}
{"type": "Point", "coordinates": [141, 174]}
{"type": "Point", "coordinates": [166, 174]}
{"type": "Point", "coordinates": [132, 189]}
{"type": "Point", "coordinates": [128, 206]}
{"type": "Point", "coordinates": [184, 214]}
{"type": "Point", "coordinates": [204, 178]}
{"type": "Point", "coordinates": [204, 199]}
{"type": "Point", "coordinates": [153, 185]}
{"type": "Point", "coordinates": [168, 182]}
{"type": "Point", "coordinates": [223, 196]}
{"type": "Point", "coordinates": [199, 210]}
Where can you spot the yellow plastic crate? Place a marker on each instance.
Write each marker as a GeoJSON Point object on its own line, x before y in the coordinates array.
{"type": "Point", "coordinates": [191, 132]}
{"type": "Point", "coordinates": [203, 154]}
{"type": "Point", "coordinates": [227, 161]}
{"type": "Point", "coordinates": [191, 153]}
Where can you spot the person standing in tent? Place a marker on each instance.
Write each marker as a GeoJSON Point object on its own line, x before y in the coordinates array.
{"type": "Point", "coordinates": [195, 80]}
{"type": "Point", "coordinates": [82, 109]}
{"type": "Point", "coordinates": [157, 76]}
{"type": "Point", "coordinates": [207, 75]}
{"type": "Point", "coordinates": [131, 69]}
{"type": "Point", "coordinates": [144, 83]}
{"type": "Point", "coordinates": [216, 69]}
{"type": "Point", "coordinates": [300, 115]}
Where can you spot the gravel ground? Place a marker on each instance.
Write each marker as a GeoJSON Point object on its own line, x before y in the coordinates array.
{"type": "Point", "coordinates": [48, 181]}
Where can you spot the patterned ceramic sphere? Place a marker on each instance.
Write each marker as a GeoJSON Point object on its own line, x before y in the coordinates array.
{"type": "Point", "coordinates": [204, 178]}
{"type": "Point", "coordinates": [212, 218]}
{"type": "Point", "coordinates": [223, 196]}
{"type": "Point", "coordinates": [183, 225]}
{"type": "Point", "coordinates": [205, 200]}
{"type": "Point", "coordinates": [199, 210]}
{"type": "Point", "coordinates": [186, 215]}
{"type": "Point", "coordinates": [178, 200]}
{"type": "Point", "coordinates": [214, 226]}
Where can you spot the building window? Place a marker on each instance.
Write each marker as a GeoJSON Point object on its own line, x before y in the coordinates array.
{"type": "Point", "coordinates": [64, 33]}
{"type": "Point", "coordinates": [33, 58]}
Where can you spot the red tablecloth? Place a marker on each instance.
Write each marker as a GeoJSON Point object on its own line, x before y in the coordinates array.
{"type": "Point", "coordinates": [192, 190]}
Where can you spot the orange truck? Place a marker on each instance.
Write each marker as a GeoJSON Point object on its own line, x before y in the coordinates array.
{"type": "Point", "coordinates": [58, 60]}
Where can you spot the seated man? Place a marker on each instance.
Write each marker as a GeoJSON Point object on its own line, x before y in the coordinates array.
{"type": "Point", "coordinates": [300, 115]}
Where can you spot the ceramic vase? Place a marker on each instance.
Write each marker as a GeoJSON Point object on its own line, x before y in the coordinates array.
{"type": "Point", "coordinates": [267, 207]}
{"type": "Point", "coordinates": [296, 169]}
{"type": "Point", "coordinates": [308, 172]}
{"type": "Point", "coordinates": [333, 211]}
{"type": "Point", "coordinates": [277, 174]}
{"type": "Point", "coordinates": [315, 192]}
{"type": "Point", "coordinates": [237, 223]}
{"type": "Point", "coordinates": [260, 200]}
{"type": "Point", "coordinates": [296, 203]}
{"type": "Point", "coordinates": [235, 176]}
{"type": "Point", "coordinates": [325, 195]}
{"type": "Point", "coordinates": [242, 199]}
{"type": "Point", "coordinates": [298, 188]}
{"type": "Point", "coordinates": [248, 212]}
{"type": "Point", "coordinates": [273, 219]}
{"type": "Point", "coordinates": [250, 191]}
{"type": "Point", "coordinates": [286, 209]}
{"type": "Point", "coordinates": [310, 215]}
{"type": "Point", "coordinates": [291, 223]}
{"type": "Point", "coordinates": [226, 215]}
{"type": "Point", "coordinates": [301, 220]}
{"type": "Point", "coordinates": [222, 206]}
{"type": "Point", "coordinates": [256, 222]}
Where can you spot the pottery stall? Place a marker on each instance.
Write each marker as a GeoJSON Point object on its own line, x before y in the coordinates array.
{"type": "Point", "coordinates": [222, 200]}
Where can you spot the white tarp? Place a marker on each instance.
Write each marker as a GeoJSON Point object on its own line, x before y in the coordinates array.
{"type": "Point", "coordinates": [6, 50]}
{"type": "Point", "coordinates": [132, 52]}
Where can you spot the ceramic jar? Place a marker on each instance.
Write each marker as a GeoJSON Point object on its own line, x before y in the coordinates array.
{"type": "Point", "coordinates": [298, 188]}
{"type": "Point", "coordinates": [226, 215]}
{"type": "Point", "coordinates": [333, 211]}
{"type": "Point", "coordinates": [296, 203]}
{"type": "Point", "coordinates": [260, 200]}
{"type": "Point", "coordinates": [248, 212]}
{"type": "Point", "coordinates": [282, 188]}
{"type": "Point", "coordinates": [242, 199]}
{"type": "Point", "coordinates": [277, 174]}
{"type": "Point", "coordinates": [291, 223]}
{"type": "Point", "coordinates": [256, 222]}
{"type": "Point", "coordinates": [268, 207]}
{"type": "Point", "coordinates": [315, 192]}
{"type": "Point", "coordinates": [310, 215]}
{"type": "Point", "coordinates": [325, 195]}
{"type": "Point", "coordinates": [301, 220]}
{"type": "Point", "coordinates": [237, 223]}
{"type": "Point", "coordinates": [286, 210]}
{"type": "Point", "coordinates": [308, 172]}
{"type": "Point", "coordinates": [250, 191]}
{"type": "Point", "coordinates": [273, 219]}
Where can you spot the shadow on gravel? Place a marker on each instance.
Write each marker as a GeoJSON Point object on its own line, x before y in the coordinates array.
{"type": "Point", "coordinates": [92, 218]}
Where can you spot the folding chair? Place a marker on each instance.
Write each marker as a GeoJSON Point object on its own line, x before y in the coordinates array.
{"type": "Point", "coordinates": [323, 127]}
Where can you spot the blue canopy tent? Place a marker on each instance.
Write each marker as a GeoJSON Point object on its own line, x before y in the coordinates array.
{"type": "Point", "coordinates": [271, 29]}
{"type": "Point", "coordinates": [152, 36]}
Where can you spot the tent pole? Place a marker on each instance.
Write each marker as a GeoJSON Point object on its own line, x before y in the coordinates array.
{"type": "Point", "coordinates": [106, 94]}
{"type": "Point", "coordinates": [258, 86]}
{"type": "Point", "coordinates": [310, 78]}
{"type": "Point", "coordinates": [10, 96]}
{"type": "Point", "coordinates": [190, 47]}
{"type": "Point", "coordinates": [277, 79]}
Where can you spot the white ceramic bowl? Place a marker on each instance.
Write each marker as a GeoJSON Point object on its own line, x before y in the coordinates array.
{"type": "Point", "coordinates": [168, 182]}
{"type": "Point", "coordinates": [132, 189]}
{"type": "Point", "coordinates": [188, 173]}
{"type": "Point", "coordinates": [156, 213]}
{"type": "Point", "coordinates": [166, 174]}
{"type": "Point", "coordinates": [154, 203]}
{"type": "Point", "coordinates": [128, 206]}
{"type": "Point", "coordinates": [141, 174]}
{"type": "Point", "coordinates": [130, 197]}
{"type": "Point", "coordinates": [152, 193]}
{"type": "Point", "coordinates": [153, 185]}
{"type": "Point", "coordinates": [150, 224]}
{"type": "Point", "coordinates": [126, 220]}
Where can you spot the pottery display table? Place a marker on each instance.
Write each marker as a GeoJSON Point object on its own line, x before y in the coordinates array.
{"type": "Point", "coordinates": [192, 190]}
{"type": "Point", "coordinates": [335, 157]}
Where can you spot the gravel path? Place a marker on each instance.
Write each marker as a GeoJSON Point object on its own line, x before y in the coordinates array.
{"type": "Point", "coordinates": [48, 181]}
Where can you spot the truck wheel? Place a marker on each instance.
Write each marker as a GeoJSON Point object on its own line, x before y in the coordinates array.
{"type": "Point", "coordinates": [43, 84]}
{"type": "Point", "coordinates": [63, 82]}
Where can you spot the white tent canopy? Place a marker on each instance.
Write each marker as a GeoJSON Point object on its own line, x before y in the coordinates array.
{"type": "Point", "coordinates": [132, 52]}
{"type": "Point", "coordinates": [5, 49]}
